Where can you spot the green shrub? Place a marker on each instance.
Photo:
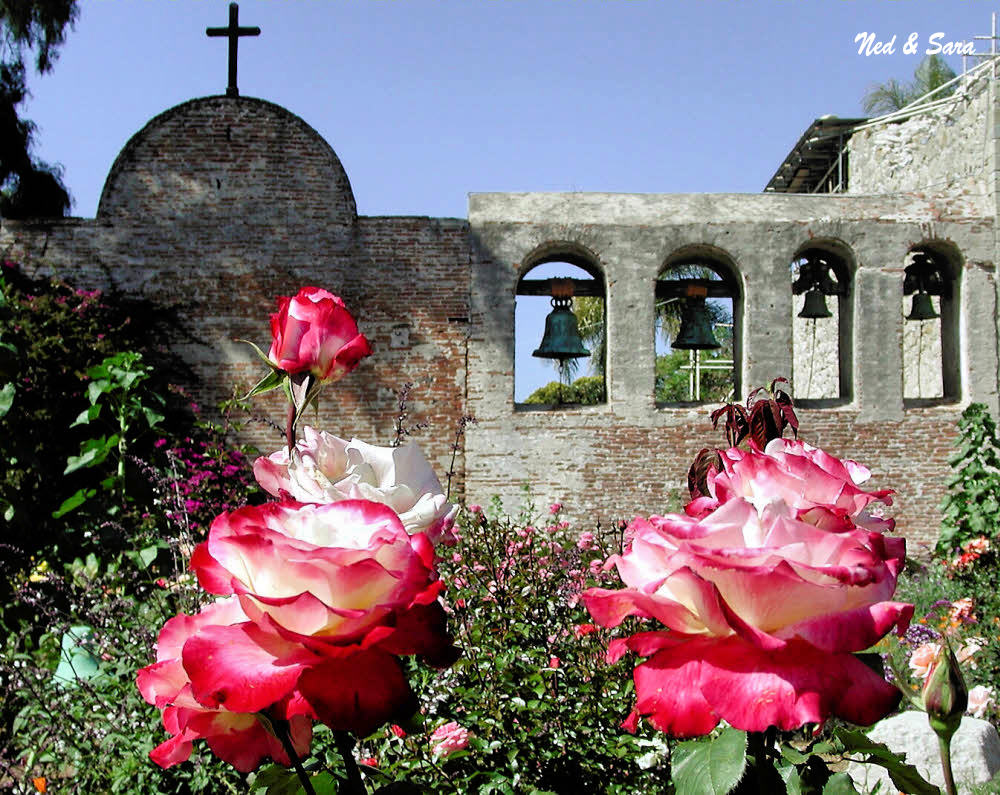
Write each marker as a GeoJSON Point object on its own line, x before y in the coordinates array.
{"type": "Point", "coordinates": [972, 508]}
{"type": "Point", "coordinates": [532, 687]}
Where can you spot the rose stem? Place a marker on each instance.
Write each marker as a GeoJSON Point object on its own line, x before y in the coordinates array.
{"type": "Point", "coordinates": [281, 731]}
{"type": "Point", "coordinates": [345, 744]}
{"type": "Point", "coordinates": [757, 743]}
{"type": "Point", "coordinates": [949, 780]}
{"type": "Point", "coordinates": [290, 430]}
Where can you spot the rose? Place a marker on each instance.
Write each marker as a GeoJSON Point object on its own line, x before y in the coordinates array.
{"type": "Point", "coordinates": [332, 593]}
{"type": "Point", "coordinates": [822, 489]}
{"type": "Point", "coordinates": [313, 332]}
{"type": "Point", "coordinates": [326, 469]}
{"type": "Point", "coordinates": [240, 739]}
{"type": "Point", "coordinates": [449, 738]}
{"type": "Point", "coordinates": [980, 700]}
{"type": "Point", "coordinates": [922, 659]}
{"type": "Point", "coordinates": [763, 606]}
{"type": "Point", "coordinates": [925, 655]}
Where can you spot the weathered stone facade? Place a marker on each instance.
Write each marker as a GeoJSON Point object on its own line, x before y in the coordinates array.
{"type": "Point", "coordinates": [220, 204]}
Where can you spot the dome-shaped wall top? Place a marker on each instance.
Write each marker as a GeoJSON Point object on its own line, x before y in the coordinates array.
{"type": "Point", "coordinates": [227, 159]}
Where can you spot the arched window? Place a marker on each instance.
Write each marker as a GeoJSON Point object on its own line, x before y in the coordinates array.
{"type": "Point", "coordinates": [543, 377]}
{"type": "Point", "coordinates": [821, 326]}
{"type": "Point", "coordinates": [697, 334]}
{"type": "Point", "coordinates": [931, 360]}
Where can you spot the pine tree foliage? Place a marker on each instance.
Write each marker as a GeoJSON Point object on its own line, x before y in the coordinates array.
{"type": "Point", "coordinates": [30, 31]}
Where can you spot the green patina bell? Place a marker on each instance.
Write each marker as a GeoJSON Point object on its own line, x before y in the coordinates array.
{"type": "Point", "coordinates": [561, 339]}
{"type": "Point", "coordinates": [814, 307]}
{"type": "Point", "coordinates": [922, 308]}
{"type": "Point", "coordinates": [696, 327]}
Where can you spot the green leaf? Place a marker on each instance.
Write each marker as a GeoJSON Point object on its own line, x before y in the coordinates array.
{"type": "Point", "coordinates": [9, 513]}
{"type": "Point", "coordinates": [73, 502]}
{"type": "Point", "coordinates": [793, 783]}
{"type": "Point", "coordinates": [326, 784]}
{"type": "Point", "coordinates": [97, 388]}
{"type": "Point", "coordinates": [904, 776]}
{"type": "Point", "coordinates": [259, 352]}
{"type": "Point", "coordinates": [277, 780]}
{"type": "Point", "coordinates": [89, 415]}
{"type": "Point", "coordinates": [6, 398]}
{"type": "Point", "coordinates": [147, 555]}
{"type": "Point", "coordinates": [710, 768]}
{"type": "Point", "coordinates": [152, 416]}
{"type": "Point", "coordinates": [793, 755]}
{"type": "Point", "coordinates": [839, 784]}
{"type": "Point", "coordinates": [92, 452]}
{"type": "Point", "coordinates": [272, 380]}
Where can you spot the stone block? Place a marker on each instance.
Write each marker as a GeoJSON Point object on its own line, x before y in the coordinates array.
{"type": "Point", "coordinates": [975, 752]}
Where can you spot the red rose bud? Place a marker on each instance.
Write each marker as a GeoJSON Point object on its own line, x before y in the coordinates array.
{"type": "Point", "coordinates": [313, 332]}
{"type": "Point", "coordinates": [945, 694]}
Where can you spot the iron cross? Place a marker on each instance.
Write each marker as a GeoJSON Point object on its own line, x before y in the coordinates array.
{"type": "Point", "coordinates": [233, 33]}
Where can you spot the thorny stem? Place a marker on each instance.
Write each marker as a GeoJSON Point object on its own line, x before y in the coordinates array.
{"type": "Point", "coordinates": [345, 744]}
{"type": "Point", "coordinates": [281, 732]}
{"type": "Point", "coordinates": [290, 428]}
{"type": "Point", "coordinates": [763, 769]}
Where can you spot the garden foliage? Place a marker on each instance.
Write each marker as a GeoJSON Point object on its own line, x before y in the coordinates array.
{"type": "Point", "coordinates": [108, 478]}
{"type": "Point", "coordinates": [972, 508]}
{"type": "Point", "coordinates": [111, 480]}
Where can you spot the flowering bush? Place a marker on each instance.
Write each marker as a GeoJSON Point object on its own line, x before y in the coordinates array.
{"type": "Point", "coordinates": [449, 738]}
{"type": "Point", "coordinates": [972, 507]}
{"type": "Point", "coordinates": [531, 688]}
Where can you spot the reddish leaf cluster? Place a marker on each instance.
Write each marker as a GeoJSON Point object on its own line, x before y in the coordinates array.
{"type": "Point", "coordinates": [768, 411]}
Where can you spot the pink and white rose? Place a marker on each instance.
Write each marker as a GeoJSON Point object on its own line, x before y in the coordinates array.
{"type": "Point", "coordinates": [819, 488]}
{"type": "Point", "coordinates": [313, 332]}
{"type": "Point", "coordinates": [449, 738]}
{"type": "Point", "coordinates": [332, 594]}
{"type": "Point", "coordinates": [238, 738]}
{"type": "Point", "coordinates": [325, 469]}
{"type": "Point", "coordinates": [766, 588]}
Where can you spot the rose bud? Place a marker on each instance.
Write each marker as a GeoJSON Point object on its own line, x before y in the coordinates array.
{"type": "Point", "coordinates": [945, 694]}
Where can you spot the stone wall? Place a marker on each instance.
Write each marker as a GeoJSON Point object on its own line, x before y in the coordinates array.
{"type": "Point", "coordinates": [221, 204]}
{"type": "Point", "coordinates": [629, 456]}
{"type": "Point", "coordinates": [946, 151]}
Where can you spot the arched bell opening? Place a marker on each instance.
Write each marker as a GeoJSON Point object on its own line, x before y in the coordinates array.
{"type": "Point", "coordinates": [822, 324]}
{"type": "Point", "coordinates": [931, 347]}
{"type": "Point", "coordinates": [697, 332]}
{"type": "Point", "coordinates": [560, 341]}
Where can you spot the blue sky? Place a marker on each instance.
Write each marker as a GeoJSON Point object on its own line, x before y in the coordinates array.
{"type": "Point", "coordinates": [425, 101]}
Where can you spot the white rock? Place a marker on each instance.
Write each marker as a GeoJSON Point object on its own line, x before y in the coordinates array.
{"type": "Point", "coordinates": [975, 752]}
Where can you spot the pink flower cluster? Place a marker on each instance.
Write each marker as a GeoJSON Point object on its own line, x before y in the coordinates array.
{"type": "Point", "coordinates": [766, 586]}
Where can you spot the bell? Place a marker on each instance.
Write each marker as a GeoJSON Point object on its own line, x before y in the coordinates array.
{"type": "Point", "coordinates": [696, 327]}
{"type": "Point", "coordinates": [561, 339]}
{"type": "Point", "coordinates": [921, 308]}
{"type": "Point", "coordinates": [814, 306]}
